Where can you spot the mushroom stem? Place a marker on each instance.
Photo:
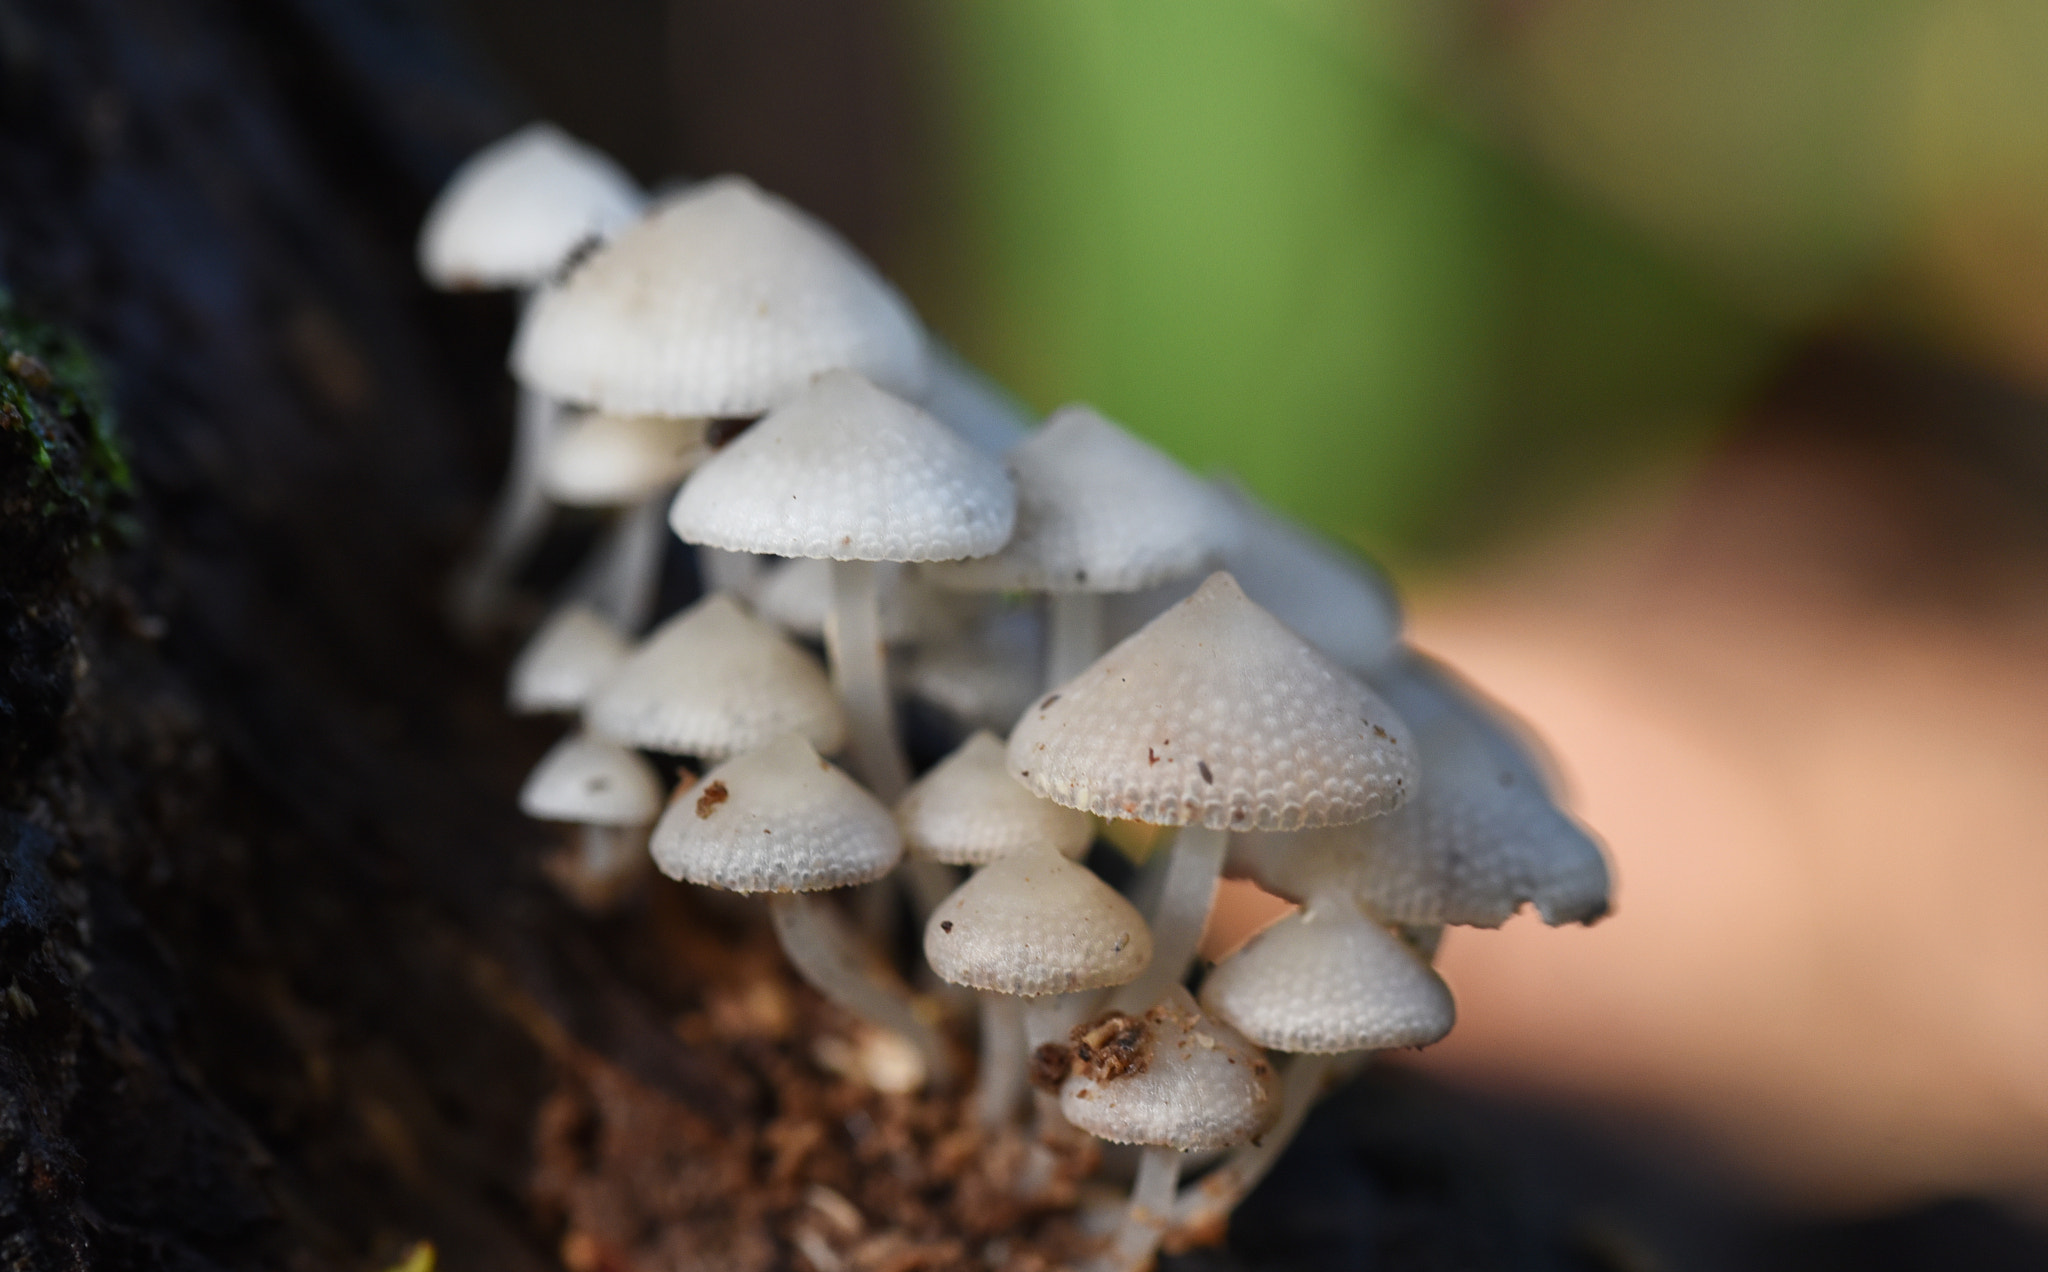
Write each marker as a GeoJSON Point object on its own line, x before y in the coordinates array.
{"type": "Point", "coordinates": [732, 572]}
{"type": "Point", "coordinates": [853, 646]}
{"type": "Point", "coordinates": [1200, 1212]}
{"type": "Point", "coordinates": [1001, 1080]}
{"type": "Point", "coordinates": [1178, 918]}
{"type": "Point", "coordinates": [1137, 1238]}
{"type": "Point", "coordinates": [823, 955]}
{"type": "Point", "coordinates": [622, 581]}
{"type": "Point", "coordinates": [1075, 637]}
{"type": "Point", "coordinates": [477, 593]}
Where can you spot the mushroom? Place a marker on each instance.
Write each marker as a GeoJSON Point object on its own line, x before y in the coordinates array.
{"type": "Point", "coordinates": [713, 682]}
{"type": "Point", "coordinates": [985, 677]}
{"type": "Point", "coordinates": [612, 794]}
{"type": "Point", "coordinates": [722, 304]}
{"type": "Point", "coordinates": [630, 463]}
{"type": "Point", "coordinates": [782, 821]}
{"type": "Point", "coordinates": [849, 472]}
{"type": "Point", "coordinates": [1097, 511]}
{"type": "Point", "coordinates": [1173, 1080]}
{"type": "Point", "coordinates": [508, 218]}
{"type": "Point", "coordinates": [574, 650]}
{"type": "Point", "coordinates": [1214, 718]}
{"type": "Point", "coordinates": [968, 811]}
{"type": "Point", "coordinates": [796, 596]}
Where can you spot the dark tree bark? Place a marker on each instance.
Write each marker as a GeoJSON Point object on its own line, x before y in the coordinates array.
{"type": "Point", "coordinates": [280, 981]}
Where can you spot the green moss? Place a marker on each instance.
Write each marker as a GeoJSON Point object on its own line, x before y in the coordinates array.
{"type": "Point", "coordinates": [60, 455]}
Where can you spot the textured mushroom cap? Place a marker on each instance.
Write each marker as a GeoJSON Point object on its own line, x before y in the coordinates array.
{"type": "Point", "coordinates": [776, 820]}
{"type": "Point", "coordinates": [594, 782]}
{"type": "Point", "coordinates": [850, 472]}
{"type": "Point", "coordinates": [515, 210]}
{"type": "Point", "coordinates": [1036, 923]}
{"type": "Point", "coordinates": [968, 811]}
{"type": "Point", "coordinates": [567, 658]}
{"type": "Point", "coordinates": [1099, 511]}
{"type": "Point", "coordinates": [1195, 1083]}
{"type": "Point", "coordinates": [987, 677]}
{"type": "Point", "coordinates": [714, 681]}
{"type": "Point", "coordinates": [1333, 599]}
{"type": "Point", "coordinates": [797, 595]}
{"type": "Point", "coordinates": [1215, 714]}
{"type": "Point", "coordinates": [605, 460]}
{"type": "Point", "coordinates": [1330, 979]}
{"type": "Point", "coordinates": [723, 302]}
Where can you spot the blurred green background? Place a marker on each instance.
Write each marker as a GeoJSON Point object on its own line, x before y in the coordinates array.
{"type": "Point", "coordinates": [1425, 272]}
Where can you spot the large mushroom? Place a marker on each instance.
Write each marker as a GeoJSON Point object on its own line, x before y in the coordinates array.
{"type": "Point", "coordinates": [1215, 717]}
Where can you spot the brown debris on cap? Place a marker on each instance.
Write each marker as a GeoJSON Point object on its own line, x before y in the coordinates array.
{"type": "Point", "coordinates": [1174, 1078]}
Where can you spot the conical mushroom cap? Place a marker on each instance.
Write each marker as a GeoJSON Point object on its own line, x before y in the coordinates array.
{"type": "Point", "coordinates": [1330, 979]}
{"type": "Point", "coordinates": [568, 657]}
{"type": "Point", "coordinates": [1036, 923]}
{"type": "Point", "coordinates": [713, 681]}
{"type": "Point", "coordinates": [1172, 1077]}
{"type": "Point", "coordinates": [605, 460]}
{"type": "Point", "coordinates": [1481, 838]}
{"type": "Point", "coordinates": [776, 820]}
{"type": "Point", "coordinates": [519, 207]}
{"type": "Point", "coordinates": [1331, 598]}
{"type": "Point", "coordinates": [849, 472]}
{"type": "Point", "coordinates": [1215, 714]}
{"type": "Point", "coordinates": [1099, 511]}
{"type": "Point", "coordinates": [968, 811]}
{"type": "Point", "coordinates": [593, 782]}
{"type": "Point", "coordinates": [724, 302]}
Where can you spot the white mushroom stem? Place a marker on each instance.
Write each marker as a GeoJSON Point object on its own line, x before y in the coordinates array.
{"type": "Point", "coordinates": [624, 579]}
{"type": "Point", "coordinates": [853, 646]}
{"type": "Point", "coordinates": [1001, 1081]}
{"type": "Point", "coordinates": [732, 572]}
{"type": "Point", "coordinates": [603, 853]}
{"type": "Point", "coordinates": [823, 955]}
{"type": "Point", "coordinates": [1051, 1017]}
{"type": "Point", "coordinates": [1075, 635]}
{"type": "Point", "coordinates": [477, 594]}
{"type": "Point", "coordinates": [1137, 1238]}
{"type": "Point", "coordinates": [1203, 1208]}
{"type": "Point", "coordinates": [1177, 921]}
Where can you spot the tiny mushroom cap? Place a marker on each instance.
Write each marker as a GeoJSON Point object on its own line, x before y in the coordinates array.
{"type": "Point", "coordinates": [1173, 1078]}
{"type": "Point", "coordinates": [715, 681]}
{"type": "Point", "coordinates": [1099, 511]}
{"type": "Point", "coordinates": [849, 472]}
{"type": "Point", "coordinates": [1036, 923]}
{"type": "Point", "coordinates": [520, 207]}
{"type": "Point", "coordinates": [1332, 598]}
{"type": "Point", "coordinates": [605, 460]}
{"type": "Point", "coordinates": [1215, 714]}
{"type": "Point", "coordinates": [776, 820]}
{"type": "Point", "coordinates": [1330, 979]}
{"type": "Point", "coordinates": [567, 658]}
{"type": "Point", "coordinates": [594, 782]}
{"type": "Point", "coordinates": [722, 303]}
{"type": "Point", "coordinates": [968, 811]}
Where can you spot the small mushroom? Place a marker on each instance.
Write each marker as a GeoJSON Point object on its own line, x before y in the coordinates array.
{"type": "Point", "coordinates": [969, 811]}
{"type": "Point", "coordinates": [567, 658]}
{"type": "Point", "coordinates": [612, 794]}
{"type": "Point", "coordinates": [848, 472]}
{"type": "Point", "coordinates": [782, 821]}
{"type": "Point", "coordinates": [1097, 511]}
{"type": "Point", "coordinates": [713, 681]}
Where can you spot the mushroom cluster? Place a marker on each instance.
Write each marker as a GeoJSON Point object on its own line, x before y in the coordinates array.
{"type": "Point", "coordinates": [718, 364]}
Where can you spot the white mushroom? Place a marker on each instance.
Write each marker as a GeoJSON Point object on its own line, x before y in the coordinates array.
{"type": "Point", "coordinates": [723, 303]}
{"type": "Point", "coordinates": [969, 811]}
{"type": "Point", "coordinates": [608, 791]}
{"type": "Point", "coordinates": [515, 210]}
{"type": "Point", "coordinates": [1213, 717]}
{"type": "Point", "coordinates": [782, 821]}
{"type": "Point", "coordinates": [574, 650]}
{"type": "Point", "coordinates": [713, 681]}
{"type": "Point", "coordinates": [848, 472]}
{"type": "Point", "coordinates": [1097, 511]}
